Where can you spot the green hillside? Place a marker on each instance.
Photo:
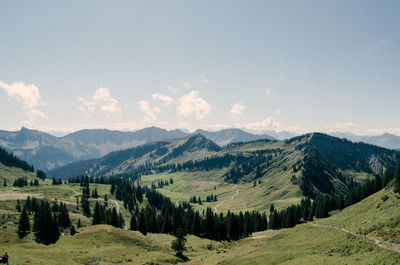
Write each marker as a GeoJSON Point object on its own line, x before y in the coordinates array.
{"type": "Point", "coordinates": [343, 238]}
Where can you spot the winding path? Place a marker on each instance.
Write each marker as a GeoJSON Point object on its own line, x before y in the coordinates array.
{"type": "Point", "coordinates": [235, 187]}
{"type": "Point", "coordinates": [381, 244]}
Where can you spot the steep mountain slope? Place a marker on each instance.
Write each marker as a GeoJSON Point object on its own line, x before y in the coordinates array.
{"type": "Point", "coordinates": [227, 136]}
{"type": "Point", "coordinates": [139, 159]}
{"type": "Point", "coordinates": [386, 140]}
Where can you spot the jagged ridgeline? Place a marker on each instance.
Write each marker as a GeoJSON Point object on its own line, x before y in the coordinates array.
{"type": "Point", "coordinates": [317, 163]}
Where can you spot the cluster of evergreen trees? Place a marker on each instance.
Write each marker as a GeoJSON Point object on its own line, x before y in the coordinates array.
{"type": "Point", "coordinates": [56, 181]}
{"type": "Point", "coordinates": [106, 215]}
{"type": "Point", "coordinates": [48, 220]}
{"type": "Point", "coordinates": [209, 198]}
{"type": "Point", "coordinates": [162, 216]}
{"type": "Point", "coordinates": [40, 174]}
{"type": "Point", "coordinates": [11, 160]}
{"type": "Point", "coordinates": [161, 183]}
{"type": "Point", "coordinates": [20, 182]}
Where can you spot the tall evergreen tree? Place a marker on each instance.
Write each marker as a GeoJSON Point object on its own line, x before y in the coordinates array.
{"type": "Point", "coordinates": [397, 178]}
{"type": "Point", "coordinates": [133, 225]}
{"type": "Point", "coordinates": [24, 226]}
{"type": "Point", "coordinates": [179, 243]}
{"type": "Point", "coordinates": [142, 222]}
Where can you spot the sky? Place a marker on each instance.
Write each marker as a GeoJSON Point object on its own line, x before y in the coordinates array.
{"type": "Point", "coordinates": [298, 66]}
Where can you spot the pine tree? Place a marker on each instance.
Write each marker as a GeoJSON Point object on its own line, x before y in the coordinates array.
{"type": "Point", "coordinates": [45, 224]}
{"type": "Point", "coordinates": [79, 223]}
{"type": "Point", "coordinates": [142, 222]}
{"type": "Point", "coordinates": [63, 218]}
{"type": "Point", "coordinates": [397, 178]}
{"type": "Point", "coordinates": [5, 183]}
{"type": "Point", "coordinates": [72, 230]}
{"type": "Point", "coordinates": [133, 225]}
{"type": "Point", "coordinates": [97, 216]}
{"type": "Point", "coordinates": [114, 218]}
{"type": "Point", "coordinates": [18, 207]}
{"type": "Point", "coordinates": [179, 243]}
{"type": "Point", "coordinates": [24, 226]}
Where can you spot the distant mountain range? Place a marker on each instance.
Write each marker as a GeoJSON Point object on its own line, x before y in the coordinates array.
{"type": "Point", "coordinates": [46, 151]}
{"type": "Point", "coordinates": [386, 140]}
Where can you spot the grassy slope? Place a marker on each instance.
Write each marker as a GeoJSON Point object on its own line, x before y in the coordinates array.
{"type": "Point", "coordinates": [306, 243]}
{"type": "Point", "coordinates": [378, 216]}
{"type": "Point", "coordinates": [102, 244]}
{"type": "Point", "coordinates": [11, 173]}
{"type": "Point", "coordinates": [324, 241]}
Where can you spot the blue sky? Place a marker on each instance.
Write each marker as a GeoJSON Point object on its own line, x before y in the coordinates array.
{"type": "Point", "coordinates": [259, 65]}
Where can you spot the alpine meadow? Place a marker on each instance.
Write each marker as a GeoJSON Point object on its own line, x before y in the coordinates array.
{"type": "Point", "coordinates": [187, 132]}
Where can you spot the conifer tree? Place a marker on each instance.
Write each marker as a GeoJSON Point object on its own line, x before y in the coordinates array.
{"type": "Point", "coordinates": [24, 226]}
{"type": "Point", "coordinates": [397, 178]}
{"type": "Point", "coordinates": [114, 218]}
{"type": "Point", "coordinates": [179, 243]}
{"type": "Point", "coordinates": [72, 230]}
{"type": "Point", "coordinates": [133, 225]}
{"type": "Point", "coordinates": [142, 222]}
{"type": "Point", "coordinates": [18, 206]}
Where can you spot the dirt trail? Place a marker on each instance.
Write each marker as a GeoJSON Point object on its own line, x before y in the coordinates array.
{"type": "Point", "coordinates": [381, 244]}
{"type": "Point", "coordinates": [116, 204]}
{"type": "Point", "coordinates": [233, 196]}
{"type": "Point", "coordinates": [177, 202]}
{"type": "Point", "coordinates": [75, 192]}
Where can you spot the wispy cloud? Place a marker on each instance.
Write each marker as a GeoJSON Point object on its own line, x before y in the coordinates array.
{"type": "Point", "coordinates": [191, 104]}
{"type": "Point", "coordinates": [164, 98]}
{"type": "Point", "coordinates": [204, 79]}
{"type": "Point", "coordinates": [236, 111]}
{"type": "Point", "coordinates": [28, 96]}
{"type": "Point", "coordinates": [340, 126]}
{"type": "Point", "coordinates": [101, 99]}
{"type": "Point", "coordinates": [173, 89]}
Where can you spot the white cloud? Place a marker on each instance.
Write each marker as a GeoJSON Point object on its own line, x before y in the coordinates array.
{"type": "Point", "coordinates": [267, 91]}
{"type": "Point", "coordinates": [29, 96]}
{"type": "Point", "coordinates": [191, 104]}
{"type": "Point", "coordinates": [172, 89]}
{"type": "Point", "coordinates": [150, 114]}
{"type": "Point", "coordinates": [340, 126]}
{"type": "Point", "coordinates": [236, 111]}
{"type": "Point", "coordinates": [204, 79]}
{"type": "Point", "coordinates": [278, 111]}
{"type": "Point", "coordinates": [266, 124]}
{"type": "Point", "coordinates": [101, 99]}
{"type": "Point", "coordinates": [186, 85]}
{"type": "Point", "coordinates": [166, 99]}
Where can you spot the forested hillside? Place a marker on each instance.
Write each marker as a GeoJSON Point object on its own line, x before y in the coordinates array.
{"type": "Point", "coordinates": [316, 163]}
